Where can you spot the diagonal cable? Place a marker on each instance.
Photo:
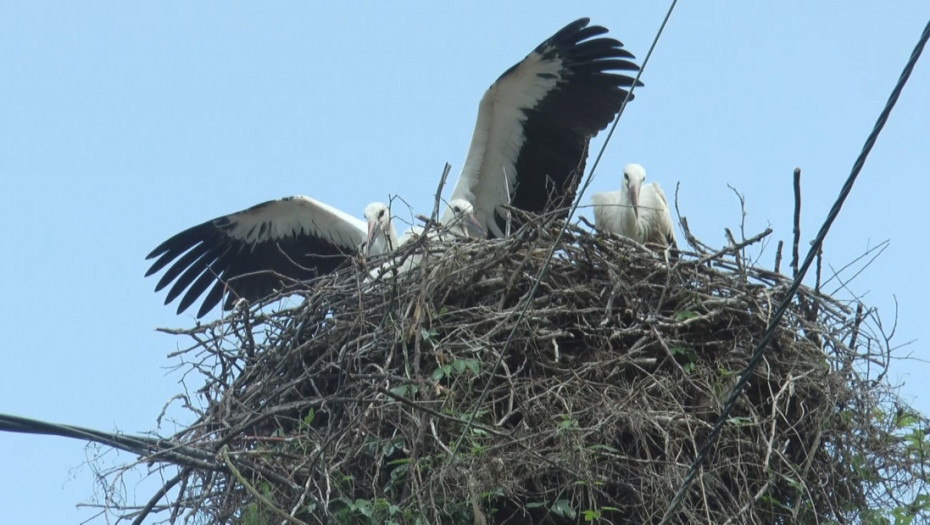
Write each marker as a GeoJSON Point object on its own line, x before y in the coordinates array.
{"type": "Point", "coordinates": [139, 445]}
{"type": "Point", "coordinates": [811, 254]}
{"type": "Point", "coordinates": [558, 239]}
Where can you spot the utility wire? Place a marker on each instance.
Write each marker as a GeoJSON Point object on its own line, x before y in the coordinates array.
{"type": "Point", "coordinates": [139, 445]}
{"type": "Point", "coordinates": [811, 254]}
{"type": "Point", "coordinates": [558, 239]}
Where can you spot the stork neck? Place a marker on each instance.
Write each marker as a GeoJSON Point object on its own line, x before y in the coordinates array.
{"type": "Point", "coordinates": [627, 213]}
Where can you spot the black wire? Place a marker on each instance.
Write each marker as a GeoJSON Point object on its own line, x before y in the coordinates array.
{"type": "Point", "coordinates": [139, 445]}
{"type": "Point", "coordinates": [811, 254]}
{"type": "Point", "coordinates": [562, 230]}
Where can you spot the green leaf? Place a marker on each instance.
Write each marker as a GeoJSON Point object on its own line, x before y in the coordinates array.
{"type": "Point", "coordinates": [563, 508]}
{"type": "Point", "coordinates": [400, 391]}
{"type": "Point", "coordinates": [902, 516]}
{"type": "Point", "coordinates": [393, 446]}
{"type": "Point", "coordinates": [341, 505]}
{"type": "Point", "coordinates": [437, 374]}
{"type": "Point", "coordinates": [364, 507]}
{"type": "Point", "coordinates": [907, 419]}
{"type": "Point", "coordinates": [684, 315]}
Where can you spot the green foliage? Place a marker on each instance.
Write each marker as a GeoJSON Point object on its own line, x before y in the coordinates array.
{"type": "Point", "coordinates": [456, 368]}
{"type": "Point", "coordinates": [907, 427]}
{"type": "Point", "coordinates": [257, 514]}
{"type": "Point", "coordinates": [563, 435]}
{"type": "Point", "coordinates": [688, 354]}
{"type": "Point", "coordinates": [381, 511]}
{"type": "Point", "coordinates": [561, 508]}
{"type": "Point", "coordinates": [407, 391]}
{"type": "Point", "coordinates": [304, 425]}
{"type": "Point", "coordinates": [592, 515]}
{"type": "Point", "coordinates": [567, 424]}
{"type": "Point", "coordinates": [428, 335]}
{"type": "Point", "coordinates": [375, 511]}
{"type": "Point", "coordinates": [253, 514]}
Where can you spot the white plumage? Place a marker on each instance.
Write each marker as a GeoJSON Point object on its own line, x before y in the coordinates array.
{"type": "Point", "coordinates": [530, 140]}
{"type": "Point", "coordinates": [527, 149]}
{"type": "Point", "coordinates": [253, 252]}
{"type": "Point", "coordinates": [637, 211]}
{"type": "Point", "coordinates": [382, 237]}
{"type": "Point", "coordinates": [462, 225]}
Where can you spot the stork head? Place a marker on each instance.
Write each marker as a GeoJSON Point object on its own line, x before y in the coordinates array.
{"type": "Point", "coordinates": [464, 223]}
{"type": "Point", "coordinates": [633, 177]}
{"type": "Point", "coordinates": [381, 237]}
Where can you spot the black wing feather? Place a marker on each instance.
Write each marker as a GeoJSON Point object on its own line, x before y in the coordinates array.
{"type": "Point", "coordinates": [216, 259]}
{"type": "Point", "coordinates": [557, 129]}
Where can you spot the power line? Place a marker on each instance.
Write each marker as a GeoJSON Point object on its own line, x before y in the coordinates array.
{"type": "Point", "coordinates": [545, 266]}
{"type": "Point", "coordinates": [139, 445]}
{"type": "Point", "coordinates": [811, 254]}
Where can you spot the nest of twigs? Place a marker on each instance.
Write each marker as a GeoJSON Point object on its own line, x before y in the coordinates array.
{"type": "Point", "coordinates": [462, 392]}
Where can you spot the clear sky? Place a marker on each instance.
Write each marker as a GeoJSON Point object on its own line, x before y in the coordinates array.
{"type": "Point", "coordinates": [124, 123]}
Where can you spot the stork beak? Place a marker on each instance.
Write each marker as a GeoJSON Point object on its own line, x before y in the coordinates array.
{"type": "Point", "coordinates": [474, 228]}
{"type": "Point", "coordinates": [373, 233]}
{"type": "Point", "coordinates": [634, 199]}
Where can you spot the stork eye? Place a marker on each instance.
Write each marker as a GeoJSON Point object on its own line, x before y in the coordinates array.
{"type": "Point", "coordinates": [626, 176]}
{"type": "Point", "coordinates": [381, 214]}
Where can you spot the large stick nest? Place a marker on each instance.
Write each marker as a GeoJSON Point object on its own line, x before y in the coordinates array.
{"type": "Point", "coordinates": [379, 400]}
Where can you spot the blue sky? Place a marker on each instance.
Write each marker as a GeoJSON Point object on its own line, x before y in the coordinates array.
{"type": "Point", "coordinates": [121, 124]}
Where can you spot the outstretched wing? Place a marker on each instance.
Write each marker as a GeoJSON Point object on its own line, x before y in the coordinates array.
{"type": "Point", "coordinates": [534, 122]}
{"type": "Point", "coordinates": [249, 253]}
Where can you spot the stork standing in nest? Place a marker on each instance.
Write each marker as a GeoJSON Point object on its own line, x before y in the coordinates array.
{"type": "Point", "coordinates": [527, 150]}
{"type": "Point", "coordinates": [530, 140]}
{"type": "Point", "coordinates": [638, 211]}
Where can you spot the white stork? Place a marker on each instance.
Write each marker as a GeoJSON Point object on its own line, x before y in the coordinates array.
{"type": "Point", "coordinates": [462, 222]}
{"type": "Point", "coordinates": [530, 141]}
{"type": "Point", "coordinates": [637, 211]}
{"type": "Point", "coordinates": [532, 131]}
{"type": "Point", "coordinates": [462, 225]}
{"type": "Point", "coordinates": [251, 252]}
